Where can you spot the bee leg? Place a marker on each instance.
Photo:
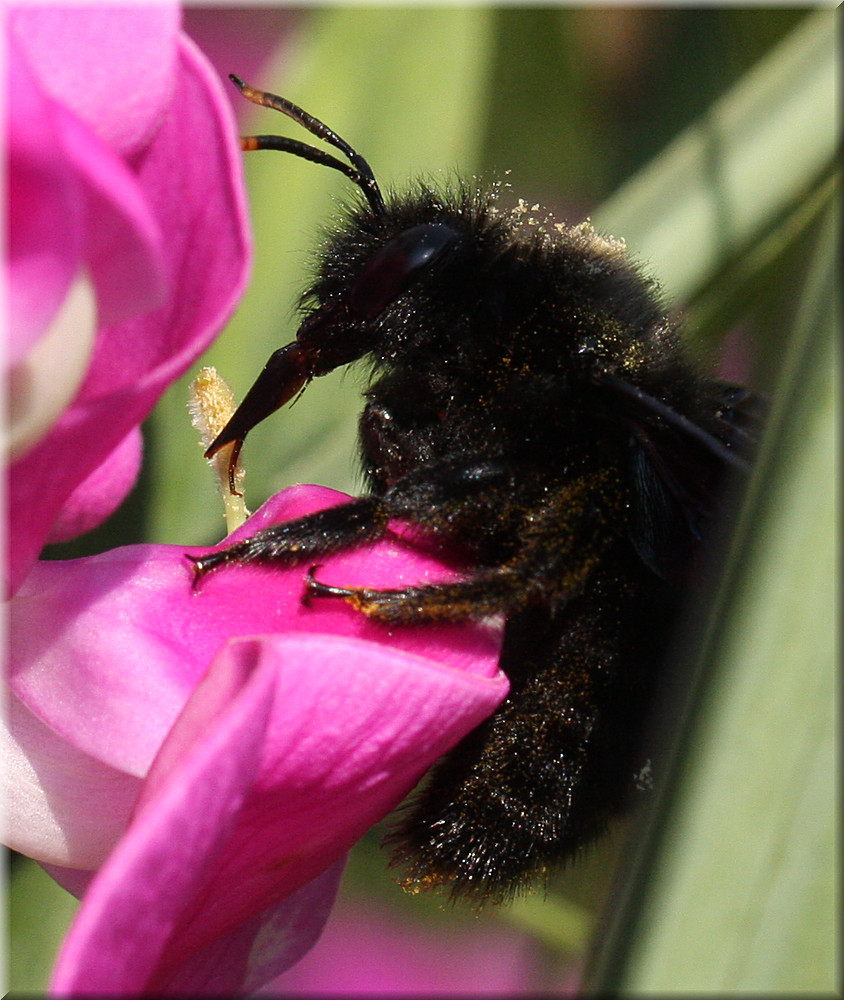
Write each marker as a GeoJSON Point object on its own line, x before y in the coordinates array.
{"type": "Point", "coordinates": [482, 595]}
{"type": "Point", "coordinates": [355, 523]}
{"type": "Point", "coordinates": [563, 541]}
{"type": "Point", "coordinates": [291, 542]}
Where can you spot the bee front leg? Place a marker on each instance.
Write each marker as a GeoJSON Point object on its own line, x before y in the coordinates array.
{"type": "Point", "coordinates": [292, 542]}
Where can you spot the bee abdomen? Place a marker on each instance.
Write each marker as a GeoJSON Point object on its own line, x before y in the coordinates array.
{"type": "Point", "coordinates": [522, 794]}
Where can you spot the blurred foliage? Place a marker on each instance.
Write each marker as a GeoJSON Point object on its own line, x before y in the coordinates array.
{"type": "Point", "coordinates": [40, 912]}
{"type": "Point", "coordinates": [578, 104]}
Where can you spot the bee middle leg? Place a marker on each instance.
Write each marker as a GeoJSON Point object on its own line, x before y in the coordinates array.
{"type": "Point", "coordinates": [551, 565]}
{"type": "Point", "coordinates": [562, 540]}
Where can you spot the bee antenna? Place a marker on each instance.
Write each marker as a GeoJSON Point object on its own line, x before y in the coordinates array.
{"type": "Point", "coordinates": [358, 170]}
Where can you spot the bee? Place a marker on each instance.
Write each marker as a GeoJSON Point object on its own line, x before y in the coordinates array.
{"type": "Point", "coordinates": [532, 409]}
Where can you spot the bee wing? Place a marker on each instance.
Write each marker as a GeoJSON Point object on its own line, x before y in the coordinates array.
{"type": "Point", "coordinates": [679, 468]}
{"type": "Point", "coordinates": [739, 415]}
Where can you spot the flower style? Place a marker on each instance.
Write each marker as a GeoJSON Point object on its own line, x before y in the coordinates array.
{"type": "Point", "coordinates": [128, 249]}
{"type": "Point", "coordinates": [249, 765]}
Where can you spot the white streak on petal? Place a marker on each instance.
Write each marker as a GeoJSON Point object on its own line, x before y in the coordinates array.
{"type": "Point", "coordinates": [47, 379]}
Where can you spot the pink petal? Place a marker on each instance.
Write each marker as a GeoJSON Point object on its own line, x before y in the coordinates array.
{"type": "Point", "coordinates": [114, 67]}
{"type": "Point", "coordinates": [105, 235]}
{"type": "Point", "coordinates": [199, 204]}
{"type": "Point", "coordinates": [353, 728]}
{"type": "Point", "coordinates": [260, 949]}
{"type": "Point", "coordinates": [60, 805]}
{"type": "Point", "coordinates": [76, 214]}
{"type": "Point", "coordinates": [123, 249]}
{"type": "Point", "coordinates": [106, 651]}
{"type": "Point", "coordinates": [98, 496]}
{"type": "Point", "coordinates": [292, 747]}
{"type": "Point", "coordinates": [148, 885]}
{"type": "Point", "coordinates": [289, 930]}
{"type": "Point", "coordinates": [122, 638]}
{"type": "Point", "coordinates": [46, 211]}
{"type": "Point", "coordinates": [116, 238]}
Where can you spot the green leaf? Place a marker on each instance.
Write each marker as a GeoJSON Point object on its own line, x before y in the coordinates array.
{"type": "Point", "coordinates": [718, 189]}
{"type": "Point", "coordinates": [736, 885]}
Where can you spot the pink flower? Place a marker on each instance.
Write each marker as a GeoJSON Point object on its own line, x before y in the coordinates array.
{"type": "Point", "coordinates": [196, 762]}
{"type": "Point", "coordinates": [212, 779]}
{"type": "Point", "coordinates": [128, 249]}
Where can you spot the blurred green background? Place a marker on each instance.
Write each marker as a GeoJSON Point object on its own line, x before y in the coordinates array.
{"type": "Point", "coordinates": [575, 108]}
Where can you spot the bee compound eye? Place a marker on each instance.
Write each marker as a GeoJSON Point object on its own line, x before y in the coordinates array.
{"type": "Point", "coordinates": [401, 261]}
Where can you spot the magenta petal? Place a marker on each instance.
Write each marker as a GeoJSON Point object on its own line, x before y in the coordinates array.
{"type": "Point", "coordinates": [102, 492]}
{"type": "Point", "coordinates": [354, 726]}
{"type": "Point", "coordinates": [123, 240]}
{"type": "Point", "coordinates": [260, 949]}
{"type": "Point", "coordinates": [291, 928]}
{"type": "Point", "coordinates": [113, 66]}
{"type": "Point", "coordinates": [46, 210]}
{"type": "Point", "coordinates": [199, 205]}
{"type": "Point", "coordinates": [290, 749]}
{"type": "Point", "coordinates": [112, 226]}
{"type": "Point", "coordinates": [85, 251]}
{"type": "Point", "coordinates": [107, 650]}
{"type": "Point", "coordinates": [152, 882]}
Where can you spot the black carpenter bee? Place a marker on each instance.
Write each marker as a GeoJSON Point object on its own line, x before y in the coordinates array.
{"type": "Point", "coordinates": [531, 408]}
